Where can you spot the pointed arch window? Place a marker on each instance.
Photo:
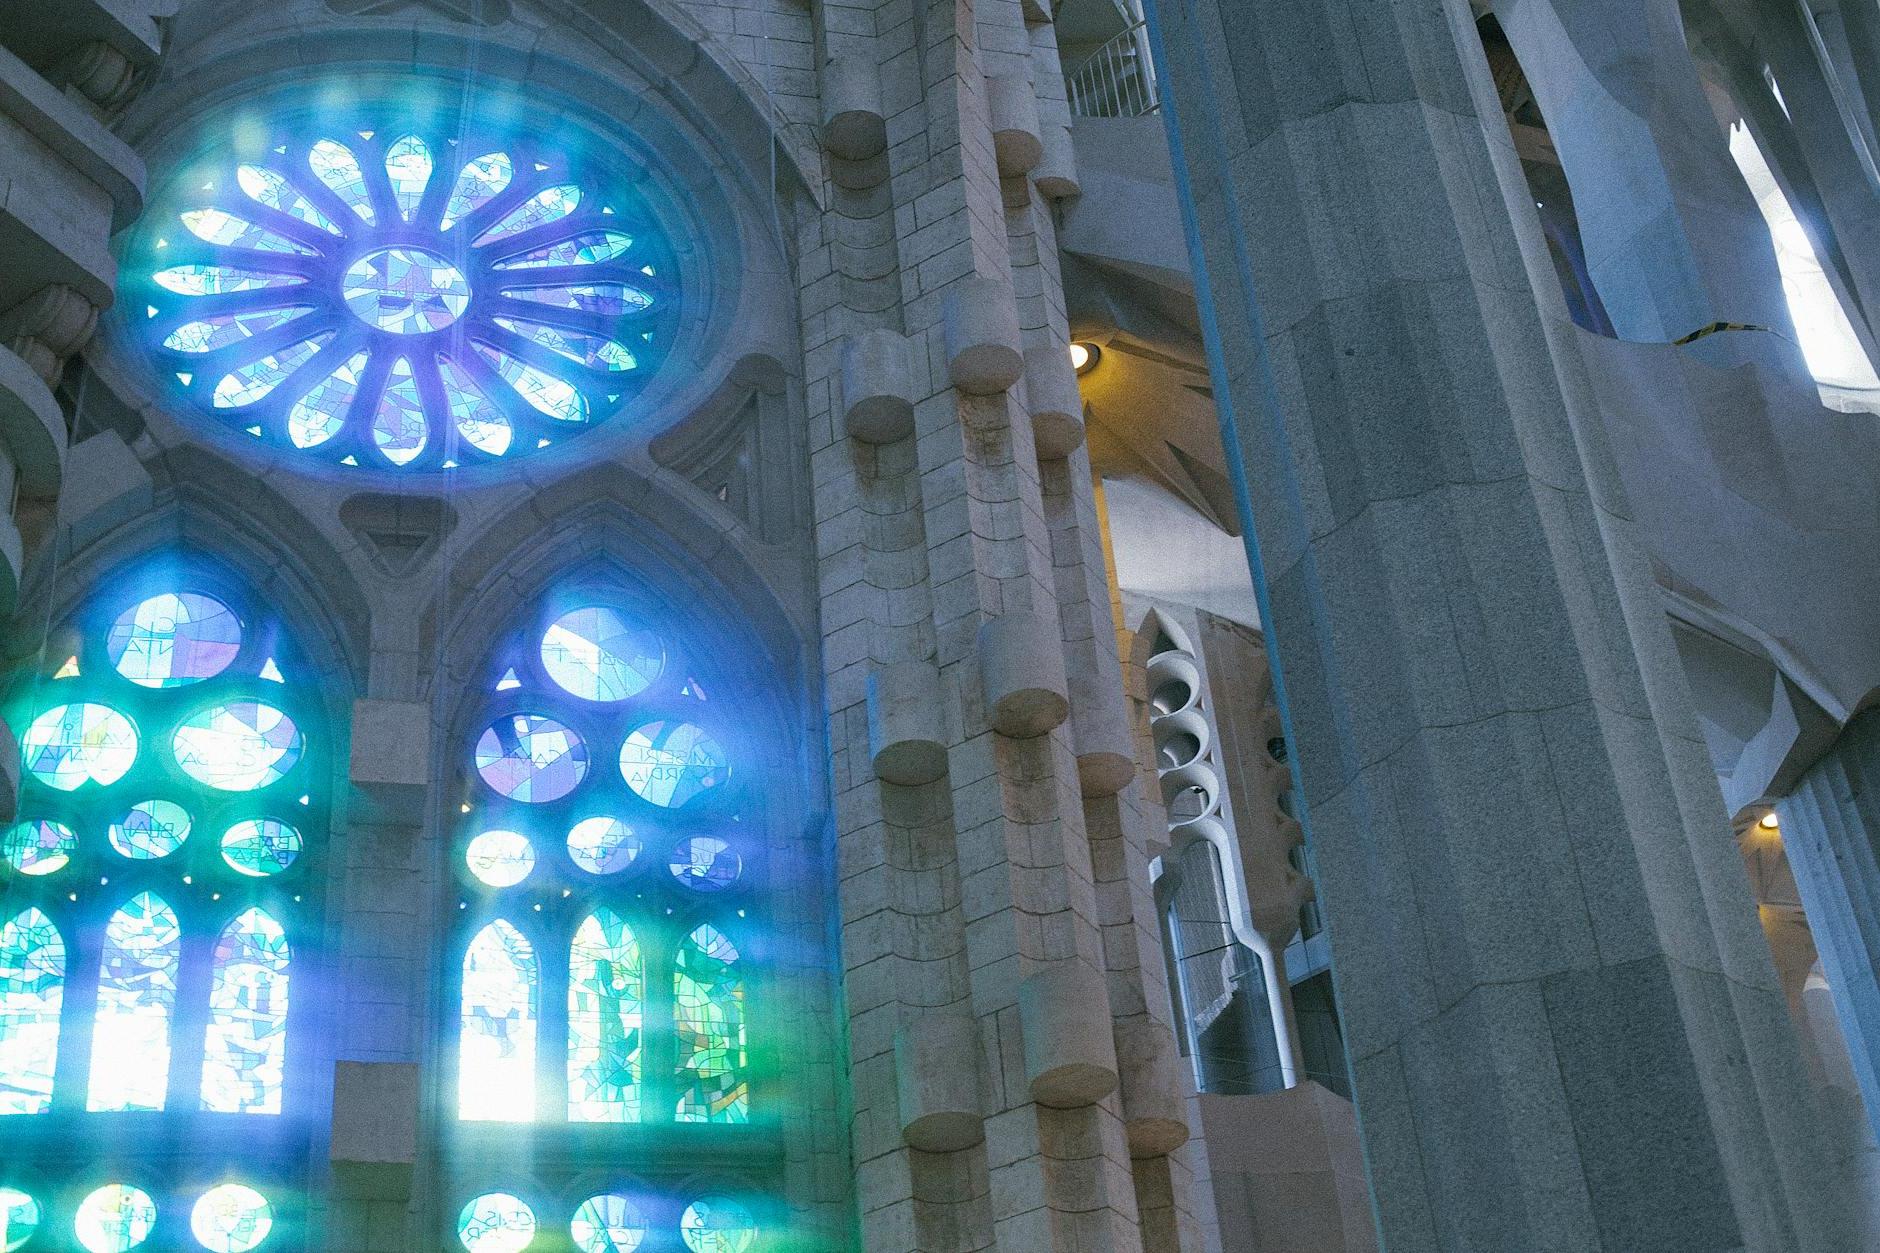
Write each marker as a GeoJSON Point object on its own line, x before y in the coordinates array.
{"type": "Point", "coordinates": [130, 1034]}
{"type": "Point", "coordinates": [501, 992]}
{"type": "Point", "coordinates": [32, 990]}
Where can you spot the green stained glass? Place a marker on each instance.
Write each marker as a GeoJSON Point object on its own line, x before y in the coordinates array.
{"type": "Point", "coordinates": [174, 638]}
{"type": "Point", "coordinates": [242, 387]}
{"type": "Point", "coordinates": [589, 248]}
{"type": "Point", "coordinates": [320, 414]}
{"type": "Point", "coordinates": [602, 845]}
{"type": "Point", "coordinates": [496, 1043]}
{"type": "Point", "coordinates": [598, 654]}
{"type": "Point", "coordinates": [544, 392]}
{"type": "Point", "coordinates": [214, 280]}
{"type": "Point", "coordinates": [476, 416]}
{"type": "Point", "coordinates": [708, 1016]}
{"type": "Point", "coordinates": [592, 351]}
{"type": "Point", "coordinates": [501, 859]}
{"type": "Point", "coordinates": [238, 746]}
{"type": "Point", "coordinates": [609, 1223]}
{"type": "Point", "coordinates": [398, 427]}
{"type": "Point", "coordinates": [150, 830]}
{"type": "Point", "coordinates": [246, 1044]}
{"type": "Point", "coordinates": [261, 846]}
{"type": "Point", "coordinates": [496, 1222]}
{"type": "Point", "coordinates": [717, 1224]}
{"type": "Point", "coordinates": [32, 992]}
{"type": "Point", "coordinates": [40, 847]}
{"type": "Point", "coordinates": [231, 1218]}
{"type": "Point", "coordinates": [335, 165]}
{"type": "Point", "coordinates": [671, 764]}
{"type": "Point", "coordinates": [269, 187]}
{"type": "Point", "coordinates": [130, 1038]}
{"type": "Point", "coordinates": [19, 1219]}
{"type": "Point", "coordinates": [548, 205]}
{"type": "Point", "coordinates": [218, 226]}
{"type": "Point", "coordinates": [479, 182]}
{"type": "Point", "coordinates": [530, 758]}
{"type": "Point", "coordinates": [408, 166]}
{"type": "Point", "coordinates": [610, 300]}
{"type": "Point", "coordinates": [213, 333]}
{"type": "Point", "coordinates": [115, 1219]}
{"type": "Point", "coordinates": [606, 990]}
{"type": "Point", "coordinates": [71, 745]}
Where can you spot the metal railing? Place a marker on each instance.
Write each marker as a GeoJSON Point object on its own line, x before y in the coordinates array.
{"type": "Point", "coordinates": [1117, 80]}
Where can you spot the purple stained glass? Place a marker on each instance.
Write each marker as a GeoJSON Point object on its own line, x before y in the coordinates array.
{"type": "Point", "coordinates": [530, 758]}
{"type": "Point", "coordinates": [174, 638]}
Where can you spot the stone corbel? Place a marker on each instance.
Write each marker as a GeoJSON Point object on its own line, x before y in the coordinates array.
{"type": "Point", "coordinates": [47, 327]}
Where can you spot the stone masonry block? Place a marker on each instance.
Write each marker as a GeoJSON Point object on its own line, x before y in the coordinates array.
{"type": "Point", "coordinates": [1070, 1054]}
{"type": "Point", "coordinates": [907, 723]}
{"type": "Point", "coordinates": [877, 387]}
{"type": "Point", "coordinates": [1057, 409]}
{"type": "Point", "coordinates": [1016, 139]}
{"type": "Point", "coordinates": [853, 126]}
{"type": "Point", "coordinates": [375, 1128]}
{"type": "Point", "coordinates": [985, 353]}
{"type": "Point", "coordinates": [936, 1067]}
{"type": "Point", "coordinates": [1021, 666]}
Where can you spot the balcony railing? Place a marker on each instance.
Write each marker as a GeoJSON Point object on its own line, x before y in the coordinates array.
{"type": "Point", "coordinates": [1117, 80]}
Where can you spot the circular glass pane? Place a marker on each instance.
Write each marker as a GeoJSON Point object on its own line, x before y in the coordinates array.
{"type": "Point", "coordinates": [598, 655]}
{"type": "Point", "coordinates": [115, 1218]}
{"type": "Point", "coordinates": [532, 759]}
{"type": "Point", "coordinates": [260, 846]}
{"type": "Point", "coordinates": [38, 847]}
{"type": "Point", "coordinates": [173, 639]}
{"type": "Point", "coordinates": [608, 1223]}
{"type": "Point", "coordinates": [150, 830]}
{"type": "Point", "coordinates": [70, 745]}
{"type": "Point", "coordinates": [496, 1222]}
{"type": "Point", "coordinates": [237, 747]}
{"type": "Point", "coordinates": [672, 763]}
{"type": "Point", "coordinates": [501, 859]}
{"type": "Point", "coordinates": [602, 845]}
{"type": "Point", "coordinates": [705, 863]}
{"type": "Point", "coordinates": [232, 1218]}
{"type": "Point", "coordinates": [19, 1219]}
{"type": "Point", "coordinates": [717, 1224]}
{"type": "Point", "coordinates": [407, 291]}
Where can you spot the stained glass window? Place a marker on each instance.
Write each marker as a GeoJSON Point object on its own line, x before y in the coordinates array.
{"type": "Point", "coordinates": [115, 1219]}
{"type": "Point", "coordinates": [231, 1218]}
{"type": "Point", "coordinates": [32, 990]}
{"type": "Point", "coordinates": [531, 758]}
{"type": "Point", "coordinates": [150, 830]}
{"type": "Point", "coordinates": [609, 1223]}
{"type": "Point", "coordinates": [39, 848]}
{"type": "Point", "coordinates": [243, 1058]}
{"type": "Point", "coordinates": [606, 987]}
{"type": "Point", "coordinates": [708, 993]}
{"type": "Point", "coordinates": [496, 1063]}
{"type": "Point", "coordinates": [704, 863]}
{"type": "Point", "coordinates": [373, 298]}
{"type": "Point", "coordinates": [130, 1037]}
{"type": "Point", "coordinates": [19, 1219]}
{"type": "Point", "coordinates": [173, 639]}
{"type": "Point", "coordinates": [501, 859]}
{"type": "Point", "coordinates": [598, 655]}
{"type": "Point", "coordinates": [717, 1224]}
{"type": "Point", "coordinates": [69, 746]}
{"type": "Point", "coordinates": [602, 845]}
{"type": "Point", "coordinates": [496, 1222]}
{"type": "Point", "coordinates": [260, 846]}
{"type": "Point", "coordinates": [238, 746]}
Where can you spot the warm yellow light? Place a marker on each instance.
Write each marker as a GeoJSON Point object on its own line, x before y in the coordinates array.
{"type": "Point", "coordinates": [1083, 356]}
{"type": "Point", "coordinates": [1770, 822]}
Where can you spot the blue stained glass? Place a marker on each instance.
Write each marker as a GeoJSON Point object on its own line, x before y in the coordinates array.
{"type": "Point", "coordinates": [244, 386]}
{"type": "Point", "coordinates": [496, 1222]}
{"type": "Point", "coordinates": [335, 165]}
{"type": "Point", "coordinates": [609, 1223]}
{"type": "Point", "coordinates": [708, 1016]}
{"type": "Point", "coordinates": [407, 291]}
{"type": "Point", "coordinates": [602, 845]}
{"type": "Point", "coordinates": [544, 392]}
{"type": "Point", "coordinates": [213, 333]}
{"type": "Point", "coordinates": [717, 1224]}
{"type": "Point", "coordinates": [238, 746]}
{"type": "Point", "coordinates": [705, 863]}
{"type": "Point", "coordinates": [150, 830]}
{"type": "Point", "coordinates": [115, 1219]}
{"type": "Point", "coordinates": [19, 1219]}
{"type": "Point", "coordinates": [246, 1045]}
{"type": "Point", "coordinates": [672, 764]}
{"type": "Point", "coordinates": [479, 182]}
{"type": "Point", "coordinates": [596, 653]}
{"type": "Point", "coordinates": [174, 638]}
{"type": "Point", "coordinates": [39, 848]}
{"type": "Point", "coordinates": [71, 745]}
{"type": "Point", "coordinates": [532, 759]}
{"type": "Point", "coordinates": [548, 205]}
{"type": "Point", "coordinates": [130, 1039]}
{"type": "Point", "coordinates": [214, 280]}
{"type": "Point", "coordinates": [606, 990]}
{"type": "Point", "coordinates": [591, 351]}
{"type": "Point", "coordinates": [496, 1045]}
{"type": "Point", "coordinates": [32, 992]}
{"type": "Point", "coordinates": [259, 847]}
{"type": "Point", "coordinates": [590, 248]}
{"type": "Point", "coordinates": [408, 166]}
{"type": "Point", "coordinates": [476, 416]}
{"type": "Point", "coordinates": [320, 414]}
{"type": "Point", "coordinates": [610, 300]}
{"type": "Point", "coordinates": [398, 426]}
{"type": "Point", "coordinates": [231, 1218]}
{"type": "Point", "coordinates": [269, 187]}
{"type": "Point", "coordinates": [218, 226]}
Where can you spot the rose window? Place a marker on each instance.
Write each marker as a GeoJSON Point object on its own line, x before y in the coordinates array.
{"type": "Point", "coordinates": [409, 301]}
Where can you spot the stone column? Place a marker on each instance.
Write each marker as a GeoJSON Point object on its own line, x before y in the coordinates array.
{"type": "Point", "coordinates": [1565, 1030]}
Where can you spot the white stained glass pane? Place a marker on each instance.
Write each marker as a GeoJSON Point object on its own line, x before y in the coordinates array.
{"type": "Point", "coordinates": [244, 1052]}
{"type": "Point", "coordinates": [174, 638]}
{"type": "Point", "coordinates": [407, 291]}
{"type": "Point", "coordinates": [115, 1219]}
{"type": "Point", "coordinates": [501, 859]}
{"type": "Point", "coordinates": [592, 351]}
{"type": "Point", "coordinates": [609, 1223]}
{"type": "Point", "coordinates": [232, 1218]}
{"type": "Point", "coordinates": [398, 427]}
{"type": "Point", "coordinates": [223, 329]}
{"type": "Point", "coordinates": [130, 1040]}
{"type": "Point", "coordinates": [609, 300]}
{"type": "Point", "coordinates": [151, 829]}
{"type": "Point", "coordinates": [545, 393]}
{"type": "Point", "coordinates": [496, 1222]}
{"type": "Point", "coordinates": [218, 226]}
{"type": "Point", "coordinates": [213, 280]}
{"type": "Point", "coordinates": [321, 412]}
{"type": "Point", "coordinates": [39, 848]}
{"type": "Point", "coordinates": [717, 1224]}
{"type": "Point", "coordinates": [602, 845]}
{"type": "Point", "coordinates": [258, 847]}
{"type": "Point", "coordinates": [599, 654]}
{"type": "Point", "coordinates": [672, 764]}
{"type": "Point", "coordinates": [476, 417]}
{"type": "Point", "coordinates": [408, 166]}
{"type": "Point", "coordinates": [335, 165]}
{"type": "Point", "coordinates": [71, 745]}
{"type": "Point", "coordinates": [32, 992]}
{"type": "Point", "coordinates": [271, 188]}
{"type": "Point", "coordinates": [496, 1043]}
{"type": "Point", "coordinates": [589, 248]}
{"type": "Point", "coordinates": [606, 990]}
{"type": "Point", "coordinates": [253, 382]}
{"type": "Point", "coordinates": [549, 205]}
{"type": "Point", "coordinates": [19, 1219]}
{"type": "Point", "coordinates": [238, 746]}
{"type": "Point", "coordinates": [479, 182]}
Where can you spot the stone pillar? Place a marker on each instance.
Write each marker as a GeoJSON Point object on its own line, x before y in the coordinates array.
{"type": "Point", "coordinates": [1564, 1027]}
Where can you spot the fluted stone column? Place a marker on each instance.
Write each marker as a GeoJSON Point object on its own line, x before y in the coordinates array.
{"type": "Point", "coordinates": [1565, 1030]}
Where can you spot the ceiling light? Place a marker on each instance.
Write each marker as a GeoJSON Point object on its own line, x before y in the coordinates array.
{"type": "Point", "coordinates": [1770, 822]}
{"type": "Point", "coordinates": [1084, 356]}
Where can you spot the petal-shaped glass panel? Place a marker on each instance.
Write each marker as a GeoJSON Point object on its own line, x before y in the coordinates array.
{"type": "Point", "coordinates": [238, 746]}
{"type": "Point", "coordinates": [245, 1048]}
{"type": "Point", "coordinates": [705, 863]}
{"type": "Point", "coordinates": [592, 351]}
{"type": "Point", "coordinates": [501, 859]}
{"type": "Point", "coordinates": [544, 392]}
{"type": "Point", "coordinates": [408, 165]}
{"type": "Point", "coordinates": [243, 387]}
{"type": "Point", "coordinates": [32, 992]}
{"type": "Point", "coordinates": [218, 226]}
{"type": "Point", "coordinates": [398, 427]}
{"type": "Point", "coordinates": [38, 848]}
{"type": "Point", "coordinates": [232, 1218]}
{"type": "Point", "coordinates": [496, 1044]}
{"type": "Point", "coordinates": [479, 182]}
{"type": "Point", "coordinates": [213, 333]}
{"type": "Point", "coordinates": [271, 188]}
{"type": "Point", "coordinates": [602, 845]}
{"type": "Point", "coordinates": [71, 745]}
{"type": "Point", "coordinates": [321, 412]}
{"type": "Point", "coordinates": [532, 759]}
{"type": "Point", "coordinates": [496, 1222]}
{"type": "Point", "coordinates": [717, 1224]}
{"type": "Point", "coordinates": [477, 417]}
{"type": "Point", "coordinates": [596, 653]}
{"type": "Point", "coordinates": [708, 1015]}
{"type": "Point", "coordinates": [549, 205]}
{"type": "Point", "coordinates": [335, 165]}
{"type": "Point", "coordinates": [174, 638]}
{"type": "Point", "coordinates": [151, 829]}
{"type": "Point", "coordinates": [606, 989]}
{"type": "Point", "coordinates": [588, 248]}
{"type": "Point", "coordinates": [215, 280]}
{"type": "Point", "coordinates": [407, 291]}
{"type": "Point", "coordinates": [115, 1219]}
{"type": "Point", "coordinates": [610, 300]}
{"type": "Point", "coordinates": [130, 1037]}
{"type": "Point", "coordinates": [258, 847]}
{"type": "Point", "coordinates": [19, 1219]}
{"type": "Point", "coordinates": [673, 763]}
{"type": "Point", "coordinates": [609, 1223]}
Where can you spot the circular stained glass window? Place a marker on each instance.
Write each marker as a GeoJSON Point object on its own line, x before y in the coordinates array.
{"type": "Point", "coordinates": [717, 1224]}
{"type": "Point", "coordinates": [38, 847]}
{"type": "Point", "coordinates": [598, 655]}
{"type": "Point", "coordinates": [407, 299]}
{"type": "Point", "coordinates": [501, 859]}
{"type": "Point", "coordinates": [115, 1218]}
{"type": "Point", "coordinates": [70, 745]}
{"type": "Point", "coordinates": [608, 1223]}
{"type": "Point", "coordinates": [173, 639]}
{"type": "Point", "coordinates": [150, 830]}
{"type": "Point", "coordinates": [496, 1222]}
{"type": "Point", "coordinates": [238, 746]}
{"type": "Point", "coordinates": [260, 846]}
{"type": "Point", "coordinates": [19, 1219]}
{"type": "Point", "coordinates": [602, 845]}
{"type": "Point", "coordinates": [532, 759]}
{"type": "Point", "coordinates": [232, 1218]}
{"type": "Point", "coordinates": [705, 863]}
{"type": "Point", "coordinates": [673, 763]}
